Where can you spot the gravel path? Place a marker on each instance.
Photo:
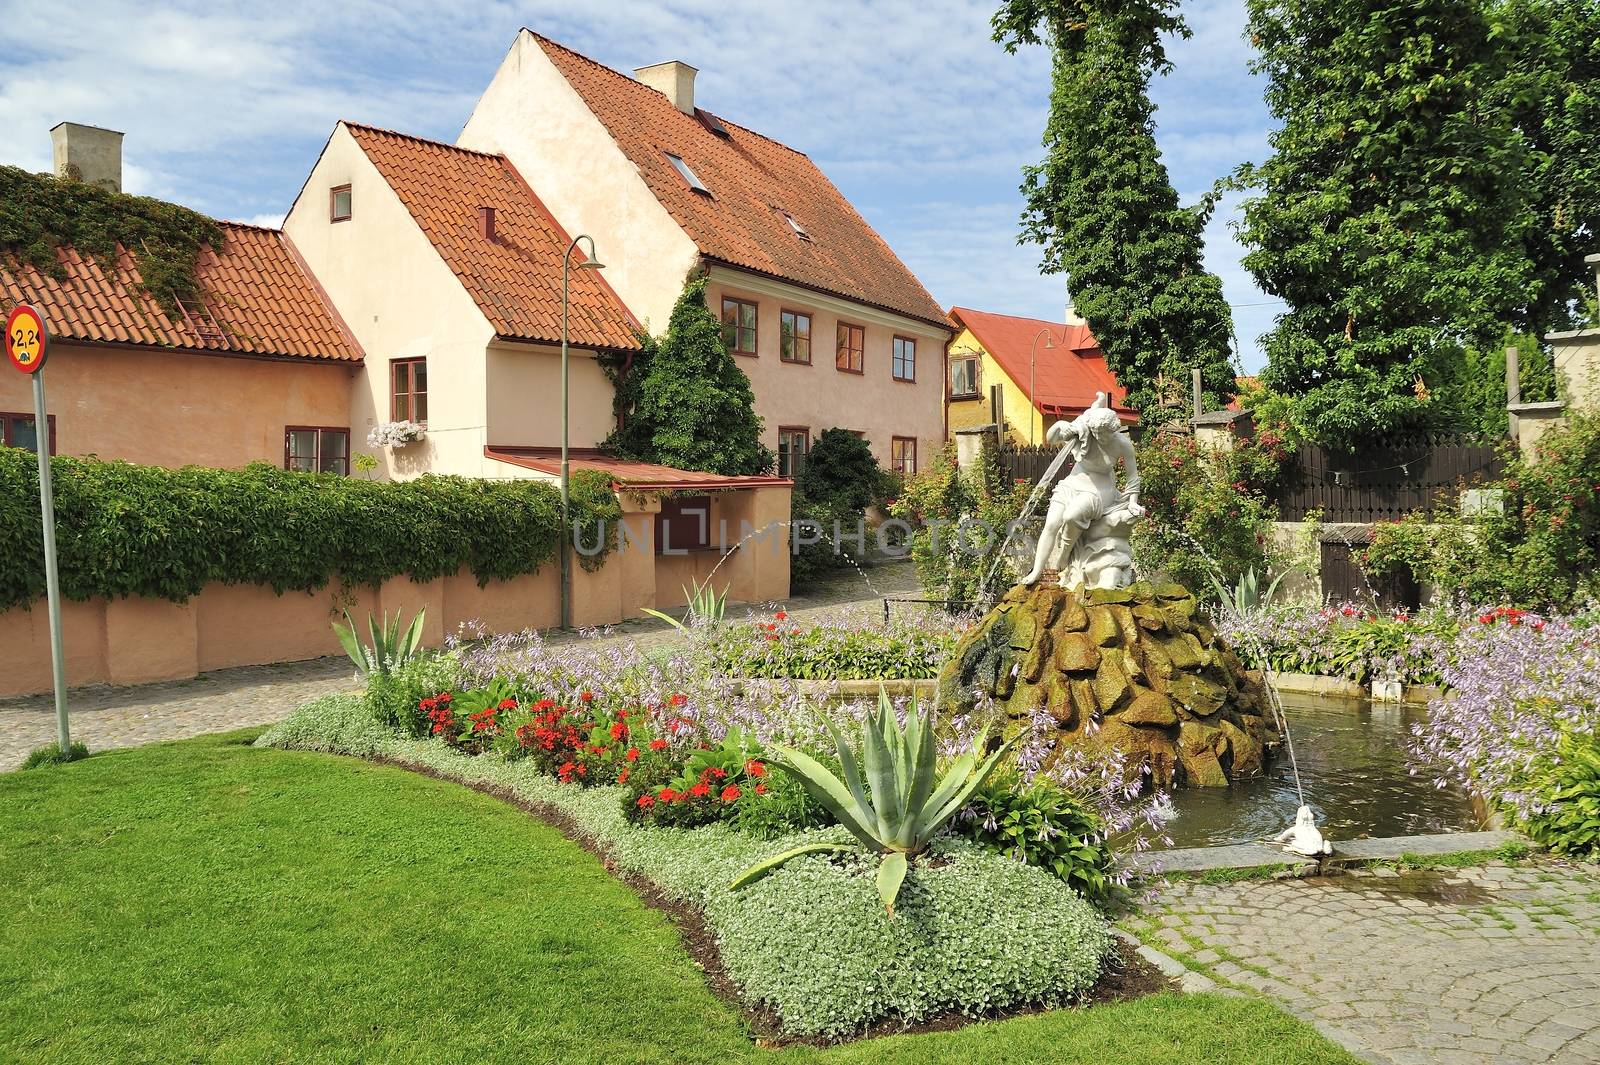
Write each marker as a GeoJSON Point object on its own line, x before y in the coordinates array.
{"type": "Point", "coordinates": [104, 716]}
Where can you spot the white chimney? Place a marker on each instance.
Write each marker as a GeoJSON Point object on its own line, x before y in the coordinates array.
{"type": "Point", "coordinates": [88, 154]}
{"type": "Point", "coordinates": [672, 79]}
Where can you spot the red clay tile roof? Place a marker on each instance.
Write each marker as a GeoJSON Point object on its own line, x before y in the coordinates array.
{"type": "Point", "coordinates": [1069, 374]}
{"type": "Point", "coordinates": [752, 181]}
{"type": "Point", "coordinates": [624, 473]}
{"type": "Point", "coordinates": [516, 279]}
{"type": "Point", "coordinates": [258, 301]}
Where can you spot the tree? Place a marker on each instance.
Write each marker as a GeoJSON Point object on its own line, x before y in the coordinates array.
{"type": "Point", "coordinates": [840, 472]}
{"type": "Point", "coordinates": [1391, 216]}
{"type": "Point", "coordinates": [1102, 206]}
{"type": "Point", "coordinates": [1550, 89]}
{"type": "Point", "coordinates": [686, 403]}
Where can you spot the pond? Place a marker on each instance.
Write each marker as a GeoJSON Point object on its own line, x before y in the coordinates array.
{"type": "Point", "coordinates": [1355, 772]}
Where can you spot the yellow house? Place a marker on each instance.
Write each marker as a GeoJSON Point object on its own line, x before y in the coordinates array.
{"type": "Point", "coordinates": [1045, 370]}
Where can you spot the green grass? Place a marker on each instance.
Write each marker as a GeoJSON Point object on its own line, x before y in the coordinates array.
{"type": "Point", "coordinates": [205, 900]}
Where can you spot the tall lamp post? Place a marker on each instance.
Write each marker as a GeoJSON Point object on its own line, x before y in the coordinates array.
{"type": "Point", "coordinates": [1034, 417]}
{"type": "Point", "coordinates": [589, 263]}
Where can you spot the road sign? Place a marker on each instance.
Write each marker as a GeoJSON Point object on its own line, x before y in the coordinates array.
{"type": "Point", "coordinates": [27, 343]}
{"type": "Point", "coordinates": [27, 339]}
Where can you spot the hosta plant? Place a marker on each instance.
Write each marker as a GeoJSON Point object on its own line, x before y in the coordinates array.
{"type": "Point", "coordinates": [389, 650]}
{"type": "Point", "coordinates": [1567, 788]}
{"type": "Point", "coordinates": [893, 801]}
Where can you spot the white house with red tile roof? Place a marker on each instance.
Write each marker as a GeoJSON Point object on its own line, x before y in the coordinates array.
{"type": "Point", "coordinates": [666, 188]}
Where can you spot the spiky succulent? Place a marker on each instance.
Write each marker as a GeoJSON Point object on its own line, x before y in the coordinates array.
{"type": "Point", "coordinates": [390, 648]}
{"type": "Point", "coordinates": [898, 806]}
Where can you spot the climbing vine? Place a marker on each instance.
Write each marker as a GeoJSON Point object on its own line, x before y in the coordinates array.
{"type": "Point", "coordinates": [40, 213]}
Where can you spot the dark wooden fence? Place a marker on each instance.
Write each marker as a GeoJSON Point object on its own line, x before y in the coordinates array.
{"type": "Point", "coordinates": [1385, 481]}
{"type": "Point", "coordinates": [1029, 463]}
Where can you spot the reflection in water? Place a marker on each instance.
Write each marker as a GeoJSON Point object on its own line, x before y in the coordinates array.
{"type": "Point", "coordinates": [1354, 769]}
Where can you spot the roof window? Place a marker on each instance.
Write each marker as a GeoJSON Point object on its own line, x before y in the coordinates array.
{"type": "Point", "coordinates": [687, 174]}
{"type": "Point", "coordinates": [713, 123]}
{"type": "Point", "coordinates": [799, 230]}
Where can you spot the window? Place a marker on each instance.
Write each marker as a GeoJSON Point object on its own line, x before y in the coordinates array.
{"type": "Point", "coordinates": [795, 345]}
{"type": "Point", "coordinates": [903, 455]}
{"type": "Point", "coordinates": [410, 390]}
{"type": "Point", "coordinates": [905, 359]}
{"type": "Point", "coordinates": [852, 342]}
{"type": "Point", "coordinates": [793, 446]}
{"type": "Point", "coordinates": [20, 430]}
{"type": "Point", "coordinates": [314, 449]}
{"type": "Point", "coordinates": [684, 524]}
{"type": "Point", "coordinates": [739, 326]}
{"type": "Point", "coordinates": [688, 175]}
{"type": "Point", "coordinates": [964, 377]}
{"type": "Point", "coordinates": [799, 230]}
{"type": "Point", "coordinates": [339, 204]}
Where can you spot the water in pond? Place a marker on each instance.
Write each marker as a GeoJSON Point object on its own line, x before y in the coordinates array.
{"type": "Point", "coordinates": [1353, 766]}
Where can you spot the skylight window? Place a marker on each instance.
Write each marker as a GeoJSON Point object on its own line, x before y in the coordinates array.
{"type": "Point", "coordinates": [799, 230]}
{"type": "Point", "coordinates": [687, 174]}
{"type": "Point", "coordinates": [713, 123]}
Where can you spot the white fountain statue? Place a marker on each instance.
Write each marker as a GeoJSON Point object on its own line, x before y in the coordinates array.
{"type": "Point", "coordinates": [1087, 528]}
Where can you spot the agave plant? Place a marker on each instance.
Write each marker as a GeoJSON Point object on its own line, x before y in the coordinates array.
{"type": "Point", "coordinates": [705, 607]}
{"type": "Point", "coordinates": [1246, 597]}
{"type": "Point", "coordinates": [902, 804]}
{"type": "Point", "coordinates": [390, 648]}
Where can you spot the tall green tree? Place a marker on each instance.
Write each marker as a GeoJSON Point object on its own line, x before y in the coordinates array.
{"type": "Point", "coordinates": [686, 403]}
{"type": "Point", "coordinates": [1391, 216]}
{"type": "Point", "coordinates": [1102, 206]}
{"type": "Point", "coordinates": [1550, 89]}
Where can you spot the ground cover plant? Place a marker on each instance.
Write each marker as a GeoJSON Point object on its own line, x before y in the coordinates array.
{"type": "Point", "coordinates": [1346, 640]}
{"type": "Point", "coordinates": [212, 901]}
{"type": "Point", "coordinates": [912, 643]}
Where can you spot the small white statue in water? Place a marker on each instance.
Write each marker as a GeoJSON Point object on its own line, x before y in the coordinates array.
{"type": "Point", "coordinates": [1087, 528]}
{"type": "Point", "coordinates": [1303, 837]}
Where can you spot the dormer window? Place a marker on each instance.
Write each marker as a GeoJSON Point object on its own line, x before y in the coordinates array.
{"type": "Point", "coordinates": [799, 230]}
{"type": "Point", "coordinates": [687, 174]}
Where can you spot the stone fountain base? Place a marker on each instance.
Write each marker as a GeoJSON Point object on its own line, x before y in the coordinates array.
{"type": "Point", "coordinates": [1135, 661]}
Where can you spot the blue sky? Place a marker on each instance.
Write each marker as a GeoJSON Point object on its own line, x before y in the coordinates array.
{"type": "Point", "coordinates": [906, 104]}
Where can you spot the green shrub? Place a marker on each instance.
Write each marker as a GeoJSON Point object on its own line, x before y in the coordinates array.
{"type": "Point", "coordinates": [50, 754]}
{"type": "Point", "coordinates": [909, 646]}
{"type": "Point", "coordinates": [1567, 788]}
{"type": "Point", "coordinates": [125, 530]}
{"type": "Point", "coordinates": [1041, 825]}
{"type": "Point", "coordinates": [958, 518]}
{"type": "Point", "coordinates": [391, 698]}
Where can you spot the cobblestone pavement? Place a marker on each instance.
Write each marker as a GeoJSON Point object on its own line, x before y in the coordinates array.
{"type": "Point", "coordinates": [1493, 964]}
{"type": "Point", "coordinates": [104, 716]}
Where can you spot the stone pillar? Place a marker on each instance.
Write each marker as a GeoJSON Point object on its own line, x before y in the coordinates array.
{"type": "Point", "coordinates": [969, 443]}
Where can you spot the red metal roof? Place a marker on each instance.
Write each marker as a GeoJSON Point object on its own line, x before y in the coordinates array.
{"type": "Point", "coordinates": [1069, 374]}
{"type": "Point", "coordinates": [258, 300]}
{"type": "Point", "coordinates": [753, 182]}
{"type": "Point", "coordinates": [624, 473]}
{"type": "Point", "coordinates": [515, 279]}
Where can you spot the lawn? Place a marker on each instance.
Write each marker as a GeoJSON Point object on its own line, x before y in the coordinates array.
{"type": "Point", "coordinates": [205, 900]}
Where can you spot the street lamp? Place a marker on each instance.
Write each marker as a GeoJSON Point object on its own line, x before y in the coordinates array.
{"type": "Point", "coordinates": [589, 263]}
{"type": "Point", "coordinates": [1034, 416]}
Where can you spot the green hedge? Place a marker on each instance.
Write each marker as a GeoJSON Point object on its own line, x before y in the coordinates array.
{"type": "Point", "coordinates": [126, 530]}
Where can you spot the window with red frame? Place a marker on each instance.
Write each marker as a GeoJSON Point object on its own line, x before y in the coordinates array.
{"type": "Point", "coordinates": [852, 343]}
{"type": "Point", "coordinates": [904, 361]}
{"type": "Point", "coordinates": [793, 445]}
{"type": "Point", "coordinates": [316, 449]}
{"type": "Point", "coordinates": [410, 378]}
{"type": "Point", "coordinates": [684, 524]}
{"type": "Point", "coordinates": [21, 430]}
{"type": "Point", "coordinates": [903, 455]}
{"type": "Point", "coordinates": [739, 325]}
{"type": "Point", "coordinates": [795, 344]}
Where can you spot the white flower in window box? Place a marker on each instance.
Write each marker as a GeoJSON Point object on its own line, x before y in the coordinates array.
{"type": "Point", "coordinates": [396, 434]}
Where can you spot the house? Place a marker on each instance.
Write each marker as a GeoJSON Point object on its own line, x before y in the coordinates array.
{"type": "Point", "coordinates": [666, 187]}
{"type": "Point", "coordinates": [1046, 371]}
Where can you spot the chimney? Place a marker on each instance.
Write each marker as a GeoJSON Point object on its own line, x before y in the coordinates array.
{"type": "Point", "coordinates": [486, 224]}
{"type": "Point", "coordinates": [672, 79]}
{"type": "Point", "coordinates": [88, 154]}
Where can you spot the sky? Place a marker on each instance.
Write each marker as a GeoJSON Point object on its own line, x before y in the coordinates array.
{"type": "Point", "coordinates": [907, 105]}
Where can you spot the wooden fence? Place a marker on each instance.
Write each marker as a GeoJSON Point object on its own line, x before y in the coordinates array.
{"type": "Point", "coordinates": [1386, 481]}
{"type": "Point", "coordinates": [1029, 463]}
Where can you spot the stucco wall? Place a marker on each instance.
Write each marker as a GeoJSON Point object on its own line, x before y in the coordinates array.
{"type": "Point", "coordinates": [164, 408]}
{"type": "Point", "coordinates": [401, 301]}
{"type": "Point", "coordinates": [524, 396]}
{"type": "Point", "coordinates": [534, 117]}
{"type": "Point", "coordinates": [1577, 361]}
{"type": "Point", "coordinates": [819, 396]}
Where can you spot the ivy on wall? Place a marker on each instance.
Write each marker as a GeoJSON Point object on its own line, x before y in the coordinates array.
{"type": "Point", "coordinates": [127, 530]}
{"type": "Point", "coordinates": [39, 213]}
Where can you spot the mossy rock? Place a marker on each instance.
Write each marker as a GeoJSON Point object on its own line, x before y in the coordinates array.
{"type": "Point", "coordinates": [1150, 617]}
{"type": "Point", "coordinates": [1024, 630]}
{"type": "Point", "coordinates": [1033, 666]}
{"type": "Point", "coordinates": [1172, 591]}
{"type": "Point", "coordinates": [1201, 696]}
{"type": "Point", "coordinates": [1111, 685]}
{"type": "Point", "coordinates": [1074, 618]}
{"type": "Point", "coordinates": [1075, 653]}
{"type": "Point", "coordinates": [1182, 651]}
{"type": "Point", "coordinates": [1110, 595]}
{"type": "Point", "coordinates": [1103, 629]}
{"type": "Point", "coordinates": [1150, 708]}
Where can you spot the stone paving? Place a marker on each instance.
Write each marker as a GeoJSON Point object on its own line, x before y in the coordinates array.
{"type": "Point", "coordinates": [1499, 963]}
{"type": "Point", "coordinates": [104, 716]}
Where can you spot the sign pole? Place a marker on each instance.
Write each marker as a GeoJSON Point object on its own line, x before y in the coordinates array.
{"type": "Point", "coordinates": [27, 344]}
{"type": "Point", "coordinates": [52, 574]}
